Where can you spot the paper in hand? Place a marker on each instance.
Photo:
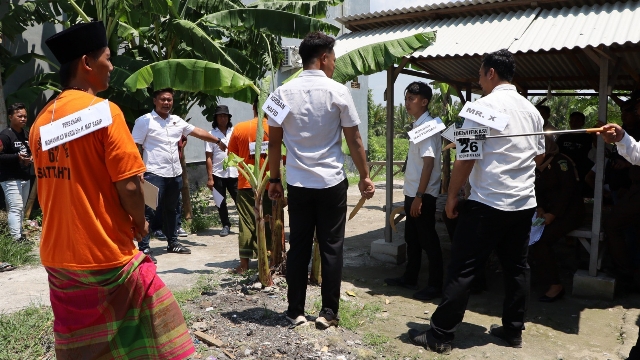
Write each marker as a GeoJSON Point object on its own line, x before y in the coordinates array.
{"type": "Point", "coordinates": [217, 198]}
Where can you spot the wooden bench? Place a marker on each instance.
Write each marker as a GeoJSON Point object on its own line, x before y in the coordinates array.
{"type": "Point", "coordinates": [584, 235]}
{"type": "Point", "coordinates": [379, 165]}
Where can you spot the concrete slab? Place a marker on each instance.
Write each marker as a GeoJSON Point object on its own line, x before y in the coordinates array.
{"type": "Point", "coordinates": [393, 252]}
{"type": "Point", "coordinates": [595, 287]}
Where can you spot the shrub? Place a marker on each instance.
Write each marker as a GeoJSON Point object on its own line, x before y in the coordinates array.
{"type": "Point", "coordinates": [204, 215]}
{"type": "Point", "coordinates": [378, 149]}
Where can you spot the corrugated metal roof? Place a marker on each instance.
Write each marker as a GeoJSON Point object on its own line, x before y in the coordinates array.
{"type": "Point", "coordinates": [567, 28]}
{"type": "Point", "coordinates": [459, 36]}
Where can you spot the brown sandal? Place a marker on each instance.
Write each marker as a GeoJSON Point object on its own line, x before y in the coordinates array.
{"type": "Point", "coordinates": [6, 267]}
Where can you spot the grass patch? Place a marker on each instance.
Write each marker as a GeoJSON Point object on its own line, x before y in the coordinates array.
{"type": "Point", "coordinates": [374, 339]}
{"type": "Point", "coordinates": [16, 253]}
{"type": "Point", "coordinates": [204, 216]}
{"type": "Point", "coordinates": [204, 284]}
{"type": "Point", "coordinates": [27, 334]}
{"type": "Point", "coordinates": [352, 315]}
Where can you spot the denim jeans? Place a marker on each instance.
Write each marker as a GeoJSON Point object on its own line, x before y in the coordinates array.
{"type": "Point", "coordinates": [16, 193]}
{"type": "Point", "coordinates": [168, 193]}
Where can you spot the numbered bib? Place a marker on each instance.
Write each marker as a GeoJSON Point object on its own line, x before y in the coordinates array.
{"type": "Point", "coordinates": [467, 147]}
{"type": "Point", "coordinates": [252, 147]}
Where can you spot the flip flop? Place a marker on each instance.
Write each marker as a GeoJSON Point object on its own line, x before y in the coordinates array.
{"type": "Point", "coordinates": [6, 267]}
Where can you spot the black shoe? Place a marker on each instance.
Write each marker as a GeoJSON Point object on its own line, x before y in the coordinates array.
{"type": "Point", "coordinates": [159, 235]}
{"type": "Point", "coordinates": [177, 248]}
{"type": "Point", "coordinates": [326, 319]}
{"type": "Point", "coordinates": [400, 281]}
{"type": "Point", "coordinates": [428, 341]}
{"type": "Point", "coordinates": [548, 299]}
{"type": "Point", "coordinates": [512, 340]}
{"type": "Point", "coordinates": [150, 255]}
{"type": "Point", "coordinates": [180, 232]}
{"type": "Point", "coordinates": [428, 293]}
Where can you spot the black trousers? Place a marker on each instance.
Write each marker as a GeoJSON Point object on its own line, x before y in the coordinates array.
{"type": "Point", "coordinates": [480, 230]}
{"type": "Point", "coordinates": [322, 212]}
{"type": "Point", "coordinates": [420, 234]}
{"type": "Point", "coordinates": [222, 185]}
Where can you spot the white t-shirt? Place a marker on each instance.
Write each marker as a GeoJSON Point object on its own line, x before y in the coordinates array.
{"type": "Point", "coordinates": [219, 155]}
{"type": "Point", "coordinates": [312, 131]}
{"type": "Point", "coordinates": [504, 178]}
{"type": "Point", "coordinates": [429, 147]}
{"type": "Point", "coordinates": [159, 138]}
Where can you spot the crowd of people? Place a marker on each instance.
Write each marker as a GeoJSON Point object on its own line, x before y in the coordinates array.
{"type": "Point", "coordinates": [93, 200]}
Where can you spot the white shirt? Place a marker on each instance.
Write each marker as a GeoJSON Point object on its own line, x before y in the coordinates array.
{"type": "Point", "coordinates": [629, 149]}
{"type": "Point", "coordinates": [312, 131]}
{"type": "Point", "coordinates": [159, 138]}
{"type": "Point", "coordinates": [219, 155]}
{"type": "Point", "coordinates": [504, 178]}
{"type": "Point", "coordinates": [429, 147]}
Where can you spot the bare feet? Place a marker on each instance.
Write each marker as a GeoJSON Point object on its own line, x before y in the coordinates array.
{"type": "Point", "coordinates": [244, 266]}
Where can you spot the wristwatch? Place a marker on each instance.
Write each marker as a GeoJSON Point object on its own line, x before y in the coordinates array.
{"type": "Point", "coordinates": [274, 181]}
{"type": "Point", "coordinates": [419, 194]}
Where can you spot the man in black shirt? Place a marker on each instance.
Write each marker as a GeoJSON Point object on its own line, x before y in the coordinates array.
{"type": "Point", "coordinates": [16, 165]}
{"type": "Point", "coordinates": [576, 147]}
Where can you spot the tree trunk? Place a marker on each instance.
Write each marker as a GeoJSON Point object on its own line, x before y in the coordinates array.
{"type": "Point", "coordinates": [31, 200]}
{"type": "Point", "coordinates": [316, 264]}
{"type": "Point", "coordinates": [186, 195]}
{"type": "Point", "coordinates": [278, 250]}
{"type": "Point", "coordinates": [3, 107]}
{"type": "Point", "coordinates": [264, 272]}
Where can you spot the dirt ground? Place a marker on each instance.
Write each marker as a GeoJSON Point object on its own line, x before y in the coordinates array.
{"type": "Point", "coordinates": [572, 328]}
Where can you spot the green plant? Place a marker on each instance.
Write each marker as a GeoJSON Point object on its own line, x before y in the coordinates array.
{"type": "Point", "coordinates": [374, 339]}
{"type": "Point", "coordinates": [378, 149]}
{"type": "Point", "coordinates": [203, 214]}
{"type": "Point", "coordinates": [27, 334]}
{"type": "Point", "coordinates": [16, 253]}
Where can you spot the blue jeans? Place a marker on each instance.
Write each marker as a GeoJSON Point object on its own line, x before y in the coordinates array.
{"type": "Point", "coordinates": [164, 217]}
{"type": "Point", "coordinates": [16, 193]}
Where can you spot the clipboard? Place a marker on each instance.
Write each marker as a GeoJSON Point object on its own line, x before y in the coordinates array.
{"type": "Point", "coordinates": [150, 195]}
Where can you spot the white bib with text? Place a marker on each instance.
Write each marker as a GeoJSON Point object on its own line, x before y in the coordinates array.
{"type": "Point", "coordinates": [484, 116]}
{"type": "Point", "coordinates": [76, 125]}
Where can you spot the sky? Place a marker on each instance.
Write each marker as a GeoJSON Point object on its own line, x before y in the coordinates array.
{"type": "Point", "coordinates": [378, 82]}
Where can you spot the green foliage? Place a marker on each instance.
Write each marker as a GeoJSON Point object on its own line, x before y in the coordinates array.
{"type": "Point", "coordinates": [204, 215]}
{"type": "Point", "coordinates": [563, 106]}
{"type": "Point", "coordinates": [374, 339]}
{"type": "Point", "coordinates": [27, 334]}
{"type": "Point", "coordinates": [374, 58]}
{"type": "Point", "coordinates": [12, 252]}
{"type": "Point", "coordinates": [316, 9]}
{"type": "Point", "coordinates": [378, 152]}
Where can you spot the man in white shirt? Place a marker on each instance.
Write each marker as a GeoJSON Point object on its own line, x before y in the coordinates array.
{"type": "Point", "coordinates": [220, 179]}
{"type": "Point", "coordinates": [498, 214]}
{"type": "Point", "coordinates": [321, 110]}
{"type": "Point", "coordinates": [157, 135]}
{"type": "Point", "coordinates": [629, 148]}
{"type": "Point", "coordinates": [421, 189]}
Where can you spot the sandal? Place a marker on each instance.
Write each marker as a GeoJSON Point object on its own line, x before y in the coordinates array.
{"type": "Point", "coordinates": [6, 267]}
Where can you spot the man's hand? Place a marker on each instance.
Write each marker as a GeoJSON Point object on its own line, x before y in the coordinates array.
{"type": "Point", "coordinates": [140, 231]}
{"type": "Point", "coordinates": [276, 191]}
{"type": "Point", "coordinates": [141, 177]}
{"type": "Point", "coordinates": [548, 218]}
{"type": "Point", "coordinates": [451, 207]}
{"type": "Point", "coordinates": [222, 146]}
{"type": "Point", "coordinates": [416, 207]}
{"type": "Point", "coordinates": [210, 184]}
{"type": "Point", "coordinates": [612, 133]}
{"type": "Point", "coordinates": [24, 159]}
{"type": "Point", "coordinates": [539, 212]}
{"type": "Point", "coordinates": [367, 188]}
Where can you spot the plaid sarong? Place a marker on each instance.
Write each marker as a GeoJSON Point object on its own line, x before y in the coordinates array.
{"type": "Point", "coordinates": [120, 313]}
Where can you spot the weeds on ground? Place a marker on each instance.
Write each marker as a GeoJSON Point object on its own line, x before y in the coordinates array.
{"type": "Point", "coordinates": [13, 252]}
{"type": "Point", "coordinates": [204, 216]}
{"type": "Point", "coordinates": [27, 334]}
{"type": "Point", "coordinates": [352, 314]}
{"type": "Point", "coordinates": [204, 284]}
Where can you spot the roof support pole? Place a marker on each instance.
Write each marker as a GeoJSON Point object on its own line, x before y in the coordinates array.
{"type": "Point", "coordinates": [597, 196]}
{"type": "Point", "coordinates": [391, 79]}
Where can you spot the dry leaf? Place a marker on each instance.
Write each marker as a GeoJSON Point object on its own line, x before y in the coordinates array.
{"type": "Point", "coordinates": [351, 293]}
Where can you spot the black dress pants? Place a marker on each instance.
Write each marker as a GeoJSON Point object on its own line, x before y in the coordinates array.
{"type": "Point", "coordinates": [322, 212]}
{"type": "Point", "coordinates": [420, 234]}
{"type": "Point", "coordinates": [222, 185]}
{"type": "Point", "coordinates": [482, 229]}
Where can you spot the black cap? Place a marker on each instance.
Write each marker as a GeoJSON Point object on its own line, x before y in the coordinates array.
{"type": "Point", "coordinates": [222, 109]}
{"type": "Point", "coordinates": [78, 40]}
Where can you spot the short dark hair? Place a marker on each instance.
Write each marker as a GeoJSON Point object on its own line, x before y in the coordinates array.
{"type": "Point", "coordinates": [160, 91]}
{"type": "Point", "coordinates": [578, 114]}
{"type": "Point", "coordinates": [69, 70]}
{"type": "Point", "coordinates": [15, 107]}
{"type": "Point", "coordinates": [544, 108]}
{"type": "Point", "coordinates": [314, 45]}
{"type": "Point", "coordinates": [419, 88]}
{"type": "Point", "coordinates": [502, 62]}
{"type": "Point", "coordinates": [215, 121]}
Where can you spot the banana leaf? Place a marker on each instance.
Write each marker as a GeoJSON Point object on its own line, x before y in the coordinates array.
{"type": "Point", "coordinates": [270, 21]}
{"type": "Point", "coordinates": [314, 9]}
{"type": "Point", "coordinates": [377, 57]}
{"type": "Point", "coordinates": [190, 75]}
{"type": "Point", "coordinates": [211, 6]}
